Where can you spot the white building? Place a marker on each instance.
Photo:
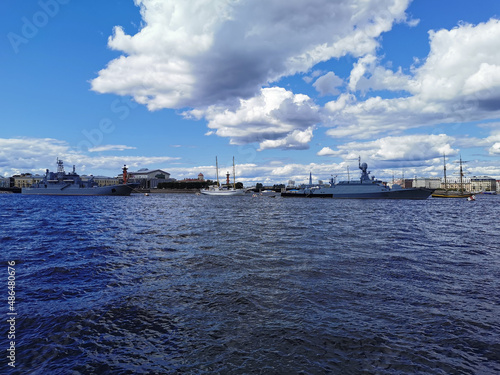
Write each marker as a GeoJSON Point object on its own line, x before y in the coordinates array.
{"type": "Point", "coordinates": [483, 183]}
{"type": "Point", "coordinates": [149, 179]}
{"type": "Point", "coordinates": [427, 182]}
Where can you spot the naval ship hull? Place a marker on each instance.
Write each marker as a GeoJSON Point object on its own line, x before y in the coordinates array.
{"type": "Point", "coordinates": [122, 190]}
{"type": "Point", "coordinates": [339, 193]}
{"type": "Point", "coordinates": [364, 188]}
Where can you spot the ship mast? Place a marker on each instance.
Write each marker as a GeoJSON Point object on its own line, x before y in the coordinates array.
{"type": "Point", "coordinates": [60, 169]}
{"type": "Point", "coordinates": [217, 171]}
{"type": "Point", "coordinates": [461, 174]}
{"type": "Point", "coordinates": [461, 177]}
{"type": "Point", "coordinates": [445, 183]}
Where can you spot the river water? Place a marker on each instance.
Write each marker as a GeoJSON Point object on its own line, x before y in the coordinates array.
{"type": "Point", "coordinates": [185, 284]}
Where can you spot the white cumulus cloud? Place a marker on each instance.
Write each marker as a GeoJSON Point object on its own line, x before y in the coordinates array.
{"type": "Point", "coordinates": [328, 84]}
{"type": "Point", "coordinates": [276, 118]}
{"type": "Point", "coordinates": [34, 155]}
{"type": "Point", "coordinates": [203, 54]}
{"type": "Point", "coordinates": [458, 82]}
{"type": "Point", "coordinates": [111, 148]}
{"type": "Point", "coordinates": [403, 150]}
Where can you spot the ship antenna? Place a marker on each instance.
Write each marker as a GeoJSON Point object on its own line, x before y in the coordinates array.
{"type": "Point", "coordinates": [217, 171]}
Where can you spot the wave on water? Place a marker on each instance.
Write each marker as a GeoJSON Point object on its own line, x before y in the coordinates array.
{"type": "Point", "coordinates": [171, 284]}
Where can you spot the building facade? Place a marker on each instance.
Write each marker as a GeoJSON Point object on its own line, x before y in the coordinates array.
{"type": "Point", "coordinates": [5, 182]}
{"type": "Point", "coordinates": [26, 180]}
{"type": "Point", "coordinates": [200, 178]}
{"type": "Point", "coordinates": [483, 183]}
{"type": "Point", "coordinates": [103, 180]}
{"type": "Point", "coordinates": [454, 184]}
{"type": "Point", "coordinates": [427, 182]}
{"type": "Point", "coordinates": [149, 179]}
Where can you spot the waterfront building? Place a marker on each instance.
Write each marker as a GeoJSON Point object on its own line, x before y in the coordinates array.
{"type": "Point", "coordinates": [498, 186]}
{"type": "Point", "coordinates": [427, 182]}
{"type": "Point", "coordinates": [454, 184]}
{"type": "Point", "coordinates": [26, 180]}
{"type": "Point", "coordinates": [407, 183]}
{"type": "Point", "coordinates": [4, 182]}
{"type": "Point", "coordinates": [483, 183]}
{"type": "Point", "coordinates": [103, 180]}
{"type": "Point", "coordinates": [200, 178]}
{"type": "Point", "coordinates": [149, 179]}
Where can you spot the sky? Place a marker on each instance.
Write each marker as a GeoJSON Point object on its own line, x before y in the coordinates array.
{"type": "Point", "coordinates": [287, 87]}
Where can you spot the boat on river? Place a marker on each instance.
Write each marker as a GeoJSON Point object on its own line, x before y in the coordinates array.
{"type": "Point", "coordinates": [365, 188]}
{"type": "Point", "coordinates": [451, 193]}
{"type": "Point", "coordinates": [224, 191]}
{"type": "Point", "coordinates": [63, 183]}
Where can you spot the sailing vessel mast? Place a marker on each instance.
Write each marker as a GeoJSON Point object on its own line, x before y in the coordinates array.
{"type": "Point", "coordinates": [217, 171]}
{"type": "Point", "coordinates": [461, 177]}
{"type": "Point", "coordinates": [444, 162]}
{"type": "Point", "coordinates": [448, 194]}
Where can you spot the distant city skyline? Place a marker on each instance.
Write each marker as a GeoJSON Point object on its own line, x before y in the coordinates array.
{"type": "Point", "coordinates": [288, 89]}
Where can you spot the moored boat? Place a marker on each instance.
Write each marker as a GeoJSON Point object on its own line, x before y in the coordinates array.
{"type": "Point", "coordinates": [450, 193]}
{"type": "Point", "coordinates": [224, 191]}
{"type": "Point", "coordinates": [63, 183]}
{"type": "Point", "coordinates": [364, 188]}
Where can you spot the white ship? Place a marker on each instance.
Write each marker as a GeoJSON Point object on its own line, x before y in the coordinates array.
{"type": "Point", "coordinates": [216, 190]}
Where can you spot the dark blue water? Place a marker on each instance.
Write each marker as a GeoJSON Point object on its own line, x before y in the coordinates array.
{"type": "Point", "coordinates": [174, 284]}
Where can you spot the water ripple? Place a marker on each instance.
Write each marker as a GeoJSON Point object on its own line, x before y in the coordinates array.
{"type": "Point", "coordinates": [185, 284]}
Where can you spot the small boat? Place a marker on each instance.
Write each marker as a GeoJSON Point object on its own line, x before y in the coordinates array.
{"type": "Point", "coordinates": [225, 191]}
{"type": "Point", "coordinates": [452, 194]}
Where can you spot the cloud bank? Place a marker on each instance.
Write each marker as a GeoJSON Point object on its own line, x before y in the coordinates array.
{"type": "Point", "coordinates": [28, 154]}
{"type": "Point", "coordinates": [225, 60]}
{"type": "Point", "coordinates": [217, 55]}
{"type": "Point", "coordinates": [459, 82]}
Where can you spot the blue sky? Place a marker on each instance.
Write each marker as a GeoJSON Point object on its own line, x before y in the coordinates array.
{"type": "Point", "coordinates": [287, 87]}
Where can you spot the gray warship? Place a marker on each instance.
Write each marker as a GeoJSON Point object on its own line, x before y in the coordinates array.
{"type": "Point", "coordinates": [62, 183]}
{"type": "Point", "coordinates": [364, 188]}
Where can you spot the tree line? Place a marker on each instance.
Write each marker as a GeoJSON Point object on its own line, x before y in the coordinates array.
{"type": "Point", "coordinates": [192, 184]}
